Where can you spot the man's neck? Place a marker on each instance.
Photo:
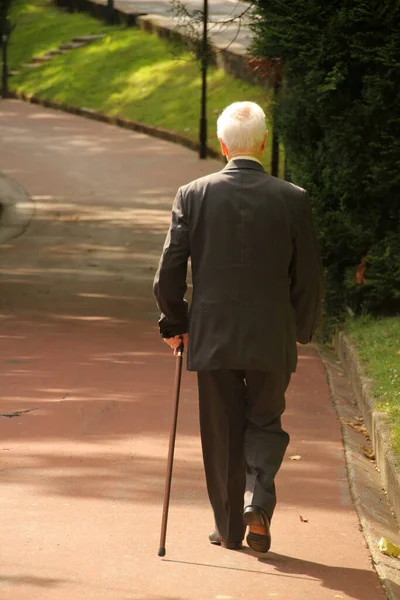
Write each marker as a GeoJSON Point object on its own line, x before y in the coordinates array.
{"type": "Point", "coordinates": [251, 155]}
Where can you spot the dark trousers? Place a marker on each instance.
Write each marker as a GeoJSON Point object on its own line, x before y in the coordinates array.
{"type": "Point", "coordinates": [243, 442]}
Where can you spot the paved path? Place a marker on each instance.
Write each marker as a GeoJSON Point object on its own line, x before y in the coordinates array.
{"type": "Point", "coordinates": [82, 472]}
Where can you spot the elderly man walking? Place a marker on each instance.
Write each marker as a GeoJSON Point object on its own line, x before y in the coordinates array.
{"type": "Point", "coordinates": [257, 289]}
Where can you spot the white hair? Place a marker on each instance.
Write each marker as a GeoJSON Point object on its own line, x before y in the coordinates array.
{"type": "Point", "coordinates": [241, 126]}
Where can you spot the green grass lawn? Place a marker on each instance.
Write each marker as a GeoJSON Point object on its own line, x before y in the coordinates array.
{"type": "Point", "coordinates": [378, 345]}
{"type": "Point", "coordinates": [132, 74]}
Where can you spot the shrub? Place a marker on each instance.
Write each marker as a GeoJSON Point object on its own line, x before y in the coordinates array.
{"type": "Point", "coordinates": [338, 115]}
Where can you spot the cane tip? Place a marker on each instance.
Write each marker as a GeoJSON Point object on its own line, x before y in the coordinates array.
{"type": "Point", "coordinates": [161, 552]}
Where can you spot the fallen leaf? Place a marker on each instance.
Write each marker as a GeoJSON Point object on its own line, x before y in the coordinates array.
{"type": "Point", "coordinates": [360, 279]}
{"type": "Point", "coordinates": [357, 427]}
{"type": "Point", "coordinates": [368, 452]}
{"type": "Point", "coordinates": [17, 413]}
{"type": "Point", "coordinates": [295, 457]}
{"type": "Point", "coordinates": [398, 352]}
{"type": "Point", "coordinates": [337, 596]}
{"type": "Point", "coordinates": [388, 548]}
{"type": "Point", "coordinates": [303, 520]}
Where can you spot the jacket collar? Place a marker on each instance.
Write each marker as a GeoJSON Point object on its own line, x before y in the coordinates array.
{"type": "Point", "coordinates": [243, 163]}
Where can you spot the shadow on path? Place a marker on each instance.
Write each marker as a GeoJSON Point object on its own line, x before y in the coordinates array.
{"type": "Point", "coordinates": [347, 580]}
{"type": "Point", "coordinates": [43, 582]}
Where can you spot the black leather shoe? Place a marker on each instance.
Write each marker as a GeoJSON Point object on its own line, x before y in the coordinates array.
{"type": "Point", "coordinates": [217, 540]}
{"type": "Point", "coordinates": [255, 516]}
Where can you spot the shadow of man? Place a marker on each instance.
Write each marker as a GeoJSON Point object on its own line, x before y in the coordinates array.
{"type": "Point", "coordinates": [353, 583]}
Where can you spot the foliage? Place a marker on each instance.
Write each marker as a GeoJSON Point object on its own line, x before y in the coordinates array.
{"type": "Point", "coordinates": [339, 119]}
{"type": "Point", "coordinates": [10, 10]}
{"type": "Point", "coordinates": [9, 13]}
{"type": "Point", "coordinates": [16, 9]}
{"type": "Point", "coordinates": [129, 73]}
{"type": "Point", "coordinates": [378, 345]}
{"type": "Point", "coordinates": [41, 27]}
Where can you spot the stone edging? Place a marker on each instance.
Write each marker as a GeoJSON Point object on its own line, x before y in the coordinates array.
{"type": "Point", "coordinates": [375, 421]}
{"type": "Point", "coordinates": [373, 509]}
{"type": "Point", "coordinates": [157, 132]}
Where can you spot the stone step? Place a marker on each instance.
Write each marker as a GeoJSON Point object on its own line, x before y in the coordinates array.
{"type": "Point", "coordinates": [13, 73]}
{"type": "Point", "coordinates": [54, 52]}
{"type": "Point", "coordinates": [41, 59]}
{"type": "Point", "coordinates": [89, 38]}
{"type": "Point", "coordinates": [71, 45]}
{"type": "Point", "coordinates": [31, 65]}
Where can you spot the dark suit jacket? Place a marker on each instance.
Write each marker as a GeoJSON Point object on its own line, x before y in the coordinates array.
{"type": "Point", "coordinates": [257, 282]}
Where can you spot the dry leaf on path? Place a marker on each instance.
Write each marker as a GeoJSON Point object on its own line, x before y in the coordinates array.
{"type": "Point", "coordinates": [368, 452]}
{"type": "Point", "coordinates": [302, 519]}
{"type": "Point", "coordinates": [357, 427]}
{"type": "Point", "coordinates": [387, 547]}
{"type": "Point", "coordinates": [295, 457]}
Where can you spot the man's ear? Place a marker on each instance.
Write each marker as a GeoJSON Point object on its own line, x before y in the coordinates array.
{"type": "Point", "coordinates": [224, 148]}
{"type": "Point", "coordinates": [264, 141]}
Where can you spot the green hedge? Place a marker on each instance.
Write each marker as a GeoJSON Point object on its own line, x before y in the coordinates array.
{"type": "Point", "coordinates": [338, 116]}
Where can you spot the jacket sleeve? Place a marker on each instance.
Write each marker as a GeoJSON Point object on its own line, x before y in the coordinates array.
{"type": "Point", "coordinates": [170, 280]}
{"type": "Point", "coordinates": [306, 287]}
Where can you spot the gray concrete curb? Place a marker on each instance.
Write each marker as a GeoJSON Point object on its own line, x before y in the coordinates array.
{"type": "Point", "coordinates": [372, 506]}
{"type": "Point", "coordinates": [17, 209]}
{"type": "Point", "coordinates": [157, 132]}
{"type": "Point", "coordinates": [376, 422]}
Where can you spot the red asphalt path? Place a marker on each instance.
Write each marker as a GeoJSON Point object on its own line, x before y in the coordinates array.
{"type": "Point", "coordinates": [82, 473]}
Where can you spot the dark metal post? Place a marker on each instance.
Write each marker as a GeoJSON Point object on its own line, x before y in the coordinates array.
{"type": "Point", "coordinates": [286, 169]}
{"type": "Point", "coordinates": [204, 65]}
{"type": "Point", "coordinates": [275, 137]}
{"type": "Point", "coordinates": [4, 30]}
{"type": "Point", "coordinates": [4, 78]}
{"type": "Point", "coordinates": [110, 12]}
{"type": "Point", "coordinates": [275, 154]}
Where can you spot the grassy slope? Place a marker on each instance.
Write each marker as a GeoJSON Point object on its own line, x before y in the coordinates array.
{"type": "Point", "coordinates": [130, 73]}
{"type": "Point", "coordinates": [378, 344]}
{"type": "Point", "coordinates": [40, 27]}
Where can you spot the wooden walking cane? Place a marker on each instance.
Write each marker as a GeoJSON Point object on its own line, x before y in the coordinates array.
{"type": "Point", "coordinates": [170, 461]}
